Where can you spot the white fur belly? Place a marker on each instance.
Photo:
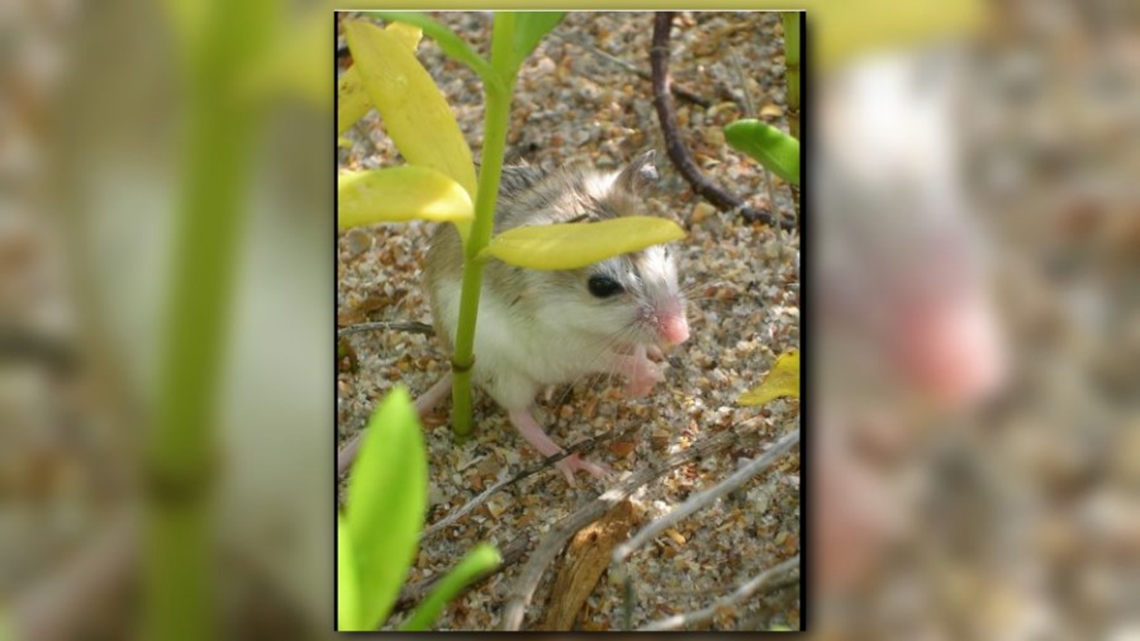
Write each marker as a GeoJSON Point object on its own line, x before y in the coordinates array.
{"type": "Point", "coordinates": [514, 359]}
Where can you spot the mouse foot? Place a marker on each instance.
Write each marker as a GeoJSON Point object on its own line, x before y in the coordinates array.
{"type": "Point", "coordinates": [425, 408]}
{"type": "Point", "coordinates": [573, 463]}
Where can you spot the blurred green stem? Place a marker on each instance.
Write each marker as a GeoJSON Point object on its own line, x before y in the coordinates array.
{"type": "Point", "coordinates": [181, 456]}
{"type": "Point", "coordinates": [496, 119]}
{"type": "Point", "coordinates": [182, 453]}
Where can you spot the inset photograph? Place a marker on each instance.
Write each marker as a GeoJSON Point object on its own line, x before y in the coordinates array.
{"type": "Point", "coordinates": [568, 321]}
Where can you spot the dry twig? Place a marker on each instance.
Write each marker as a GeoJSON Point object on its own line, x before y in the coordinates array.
{"type": "Point", "coordinates": [581, 447]}
{"type": "Point", "coordinates": [764, 579]}
{"type": "Point", "coordinates": [703, 499]}
{"type": "Point", "coordinates": [411, 327]}
{"type": "Point", "coordinates": [560, 533]}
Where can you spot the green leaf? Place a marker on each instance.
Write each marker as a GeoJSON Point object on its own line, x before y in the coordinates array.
{"type": "Point", "coordinates": [387, 499]}
{"type": "Point", "coordinates": [529, 28]}
{"type": "Point", "coordinates": [347, 583]}
{"type": "Point", "coordinates": [477, 563]}
{"type": "Point", "coordinates": [398, 194]}
{"type": "Point", "coordinates": [782, 380]}
{"type": "Point", "coordinates": [352, 99]}
{"type": "Point", "coordinates": [415, 113]}
{"type": "Point", "coordinates": [451, 44]}
{"type": "Point", "coordinates": [574, 245]}
{"type": "Point", "coordinates": [776, 150]}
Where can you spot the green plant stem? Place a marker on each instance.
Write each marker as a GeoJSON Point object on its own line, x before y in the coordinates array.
{"type": "Point", "coordinates": [496, 119]}
{"type": "Point", "coordinates": [792, 64]}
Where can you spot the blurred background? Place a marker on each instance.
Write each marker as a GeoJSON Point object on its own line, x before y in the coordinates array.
{"type": "Point", "coordinates": [166, 366]}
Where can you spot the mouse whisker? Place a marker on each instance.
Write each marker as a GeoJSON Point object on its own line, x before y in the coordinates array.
{"type": "Point", "coordinates": [605, 346]}
{"type": "Point", "coordinates": [692, 290]}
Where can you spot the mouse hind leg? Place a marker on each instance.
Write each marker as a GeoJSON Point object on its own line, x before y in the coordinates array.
{"type": "Point", "coordinates": [435, 395]}
{"type": "Point", "coordinates": [534, 434]}
{"type": "Point", "coordinates": [427, 402]}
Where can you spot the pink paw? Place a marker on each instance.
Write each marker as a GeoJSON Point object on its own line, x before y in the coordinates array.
{"type": "Point", "coordinates": [642, 373]}
{"type": "Point", "coordinates": [573, 463]}
{"type": "Point", "coordinates": [642, 385]}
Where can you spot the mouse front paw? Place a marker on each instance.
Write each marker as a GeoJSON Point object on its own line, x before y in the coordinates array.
{"type": "Point", "coordinates": [642, 373]}
{"type": "Point", "coordinates": [642, 384]}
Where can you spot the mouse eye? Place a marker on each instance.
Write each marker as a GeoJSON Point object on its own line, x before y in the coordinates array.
{"type": "Point", "coordinates": [603, 286]}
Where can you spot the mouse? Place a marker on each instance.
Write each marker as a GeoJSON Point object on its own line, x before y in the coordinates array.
{"type": "Point", "coordinates": [537, 329]}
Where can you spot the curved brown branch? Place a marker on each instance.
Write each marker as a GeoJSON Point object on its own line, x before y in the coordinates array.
{"type": "Point", "coordinates": [675, 147]}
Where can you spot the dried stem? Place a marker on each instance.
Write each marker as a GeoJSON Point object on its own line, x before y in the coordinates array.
{"type": "Point", "coordinates": [762, 580]}
{"type": "Point", "coordinates": [531, 574]}
{"type": "Point", "coordinates": [582, 447]}
{"type": "Point", "coordinates": [703, 499]}
{"type": "Point", "coordinates": [411, 327]}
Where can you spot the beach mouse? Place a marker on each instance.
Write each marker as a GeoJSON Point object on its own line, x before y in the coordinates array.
{"type": "Point", "coordinates": [540, 328]}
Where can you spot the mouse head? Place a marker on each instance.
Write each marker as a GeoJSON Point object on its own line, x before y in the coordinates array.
{"type": "Point", "coordinates": [629, 299]}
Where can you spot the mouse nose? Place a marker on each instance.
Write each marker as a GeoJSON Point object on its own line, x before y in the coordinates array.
{"type": "Point", "coordinates": [673, 328]}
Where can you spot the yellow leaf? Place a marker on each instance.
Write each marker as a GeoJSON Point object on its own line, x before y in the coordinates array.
{"type": "Point", "coordinates": [407, 34]}
{"type": "Point", "coordinates": [415, 113]}
{"type": "Point", "coordinates": [399, 194]}
{"type": "Point", "coordinates": [574, 245]}
{"type": "Point", "coordinates": [352, 101]}
{"type": "Point", "coordinates": [341, 141]}
{"type": "Point", "coordinates": [843, 31]}
{"type": "Point", "coordinates": [782, 380]}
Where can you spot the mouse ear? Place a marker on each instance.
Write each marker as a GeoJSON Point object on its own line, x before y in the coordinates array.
{"type": "Point", "coordinates": [640, 172]}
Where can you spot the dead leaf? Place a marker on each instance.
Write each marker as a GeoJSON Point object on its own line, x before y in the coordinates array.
{"type": "Point", "coordinates": [587, 558]}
